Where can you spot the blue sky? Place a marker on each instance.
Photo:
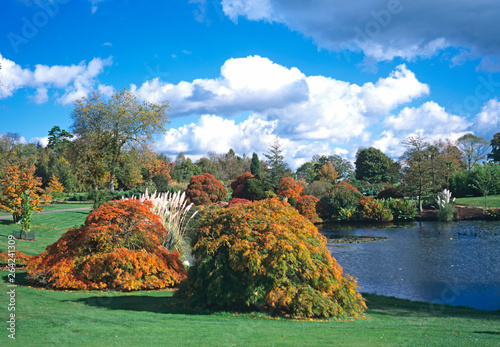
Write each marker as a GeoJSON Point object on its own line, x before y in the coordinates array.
{"type": "Point", "coordinates": [324, 76]}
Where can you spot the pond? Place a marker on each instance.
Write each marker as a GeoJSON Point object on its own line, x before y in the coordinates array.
{"type": "Point", "coordinates": [456, 263]}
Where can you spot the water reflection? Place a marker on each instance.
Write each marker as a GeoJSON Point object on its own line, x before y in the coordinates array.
{"type": "Point", "coordinates": [454, 263]}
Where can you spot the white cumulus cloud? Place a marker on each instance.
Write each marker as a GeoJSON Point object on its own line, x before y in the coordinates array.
{"type": "Point", "coordinates": [75, 81]}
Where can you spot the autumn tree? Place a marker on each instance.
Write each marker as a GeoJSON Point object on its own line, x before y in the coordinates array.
{"type": "Point", "coordinates": [328, 173]}
{"type": "Point", "coordinates": [16, 181]}
{"type": "Point", "coordinates": [205, 189]}
{"type": "Point", "coordinates": [473, 149]}
{"type": "Point", "coordinates": [55, 187]}
{"type": "Point", "coordinates": [114, 123]}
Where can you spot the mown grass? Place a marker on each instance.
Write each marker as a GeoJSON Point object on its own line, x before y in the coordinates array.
{"type": "Point", "coordinates": [84, 318]}
{"type": "Point", "coordinates": [492, 200]}
{"type": "Point", "coordinates": [91, 318]}
{"type": "Point", "coordinates": [57, 206]}
{"type": "Point", "coordinates": [48, 228]}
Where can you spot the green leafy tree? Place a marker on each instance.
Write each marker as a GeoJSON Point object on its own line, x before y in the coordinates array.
{"type": "Point", "coordinates": [495, 149]}
{"type": "Point", "coordinates": [117, 122]}
{"type": "Point", "coordinates": [184, 169]}
{"type": "Point", "coordinates": [374, 166]}
{"type": "Point", "coordinates": [473, 149]}
{"type": "Point", "coordinates": [486, 179]}
{"type": "Point", "coordinates": [307, 172]}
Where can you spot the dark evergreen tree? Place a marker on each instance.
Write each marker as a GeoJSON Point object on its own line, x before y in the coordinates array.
{"type": "Point", "coordinates": [255, 166]}
{"type": "Point", "coordinates": [277, 165]}
{"type": "Point", "coordinates": [495, 149]}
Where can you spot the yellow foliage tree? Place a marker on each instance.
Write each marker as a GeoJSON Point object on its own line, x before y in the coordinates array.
{"type": "Point", "coordinates": [328, 173]}
{"type": "Point", "coordinates": [18, 179]}
{"type": "Point", "coordinates": [55, 187]}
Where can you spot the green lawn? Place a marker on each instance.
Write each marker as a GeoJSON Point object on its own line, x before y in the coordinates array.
{"type": "Point", "coordinates": [58, 206]}
{"type": "Point", "coordinates": [45, 317]}
{"type": "Point", "coordinates": [48, 228]}
{"type": "Point", "coordinates": [493, 201]}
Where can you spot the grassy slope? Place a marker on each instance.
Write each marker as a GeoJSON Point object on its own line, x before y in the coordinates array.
{"type": "Point", "coordinates": [155, 318]}
{"type": "Point", "coordinates": [53, 207]}
{"type": "Point", "coordinates": [492, 200]}
{"type": "Point", "coordinates": [48, 228]}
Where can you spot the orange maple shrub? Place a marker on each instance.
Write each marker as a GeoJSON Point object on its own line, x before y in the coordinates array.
{"type": "Point", "coordinates": [308, 206]}
{"type": "Point", "coordinates": [205, 189]}
{"type": "Point", "coordinates": [288, 188]}
{"type": "Point", "coordinates": [17, 179]}
{"type": "Point", "coordinates": [19, 257]}
{"type": "Point", "coordinates": [238, 185]}
{"type": "Point", "coordinates": [264, 255]}
{"type": "Point", "coordinates": [118, 248]}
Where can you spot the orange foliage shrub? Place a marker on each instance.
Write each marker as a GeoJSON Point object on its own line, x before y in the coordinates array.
{"type": "Point", "coordinates": [289, 188]}
{"type": "Point", "coordinates": [205, 189]}
{"type": "Point", "coordinates": [308, 206]}
{"type": "Point", "coordinates": [118, 248]}
{"type": "Point", "coordinates": [372, 210]}
{"type": "Point", "coordinates": [238, 185]}
{"type": "Point", "coordinates": [18, 256]}
{"type": "Point", "coordinates": [265, 255]}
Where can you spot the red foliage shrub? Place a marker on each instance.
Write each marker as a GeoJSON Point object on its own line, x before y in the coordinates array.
{"type": "Point", "coordinates": [266, 255]}
{"type": "Point", "coordinates": [205, 189]}
{"type": "Point", "coordinates": [19, 257]}
{"type": "Point", "coordinates": [117, 248]}
{"type": "Point", "coordinates": [237, 201]}
{"type": "Point", "coordinates": [343, 185]}
{"type": "Point", "coordinates": [289, 188]}
{"type": "Point", "coordinates": [238, 184]}
{"type": "Point", "coordinates": [308, 206]}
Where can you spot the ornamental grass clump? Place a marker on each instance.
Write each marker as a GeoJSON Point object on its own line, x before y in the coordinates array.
{"type": "Point", "coordinates": [446, 211]}
{"type": "Point", "coordinates": [118, 248]}
{"type": "Point", "coordinates": [173, 209]}
{"type": "Point", "coordinates": [266, 256]}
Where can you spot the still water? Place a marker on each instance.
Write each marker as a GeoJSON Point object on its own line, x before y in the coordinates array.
{"type": "Point", "coordinates": [456, 263]}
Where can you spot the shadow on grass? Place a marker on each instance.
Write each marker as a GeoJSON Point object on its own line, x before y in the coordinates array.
{"type": "Point", "coordinates": [20, 278]}
{"type": "Point", "coordinates": [391, 306]}
{"type": "Point", "coordinates": [154, 304]}
{"type": "Point", "coordinates": [6, 221]}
